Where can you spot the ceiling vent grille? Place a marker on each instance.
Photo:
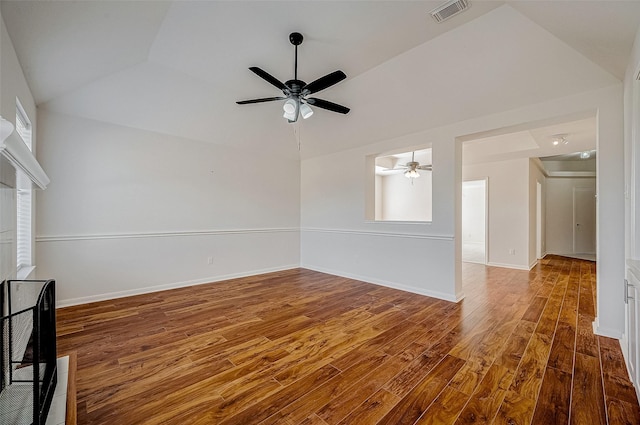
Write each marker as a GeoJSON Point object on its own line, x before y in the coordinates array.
{"type": "Point", "coordinates": [449, 10]}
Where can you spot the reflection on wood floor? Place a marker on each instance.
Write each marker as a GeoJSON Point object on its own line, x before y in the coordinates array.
{"type": "Point", "coordinates": [302, 347]}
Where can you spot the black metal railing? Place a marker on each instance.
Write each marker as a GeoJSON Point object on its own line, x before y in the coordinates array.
{"type": "Point", "coordinates": [29, 363]}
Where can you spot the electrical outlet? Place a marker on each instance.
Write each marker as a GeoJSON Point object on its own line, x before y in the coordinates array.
{"type": "Point", "coordinates": [512, 251]}
{"type": "Point", "coordinates": [210, 260]}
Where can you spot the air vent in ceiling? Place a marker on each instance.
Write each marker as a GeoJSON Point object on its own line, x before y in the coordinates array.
{"type": "Point", "coordinates": [449, 9]}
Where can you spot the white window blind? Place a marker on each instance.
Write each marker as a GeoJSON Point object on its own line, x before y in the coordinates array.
{"type": "Point", "coordinates": [24, 196]}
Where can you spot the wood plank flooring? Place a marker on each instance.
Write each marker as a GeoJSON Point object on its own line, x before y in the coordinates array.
{"type": "Point", "coordinates": [302, 347]}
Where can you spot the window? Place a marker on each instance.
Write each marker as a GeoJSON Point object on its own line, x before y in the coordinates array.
{"type": "Point", "coordinates": [24, 195]}
{"type": "Point", "coordinates": [403, 186]}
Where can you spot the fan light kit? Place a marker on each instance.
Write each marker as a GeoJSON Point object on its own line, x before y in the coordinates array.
{"type": "Point", "coordinates": [585, 154]}
{"type": "Point", "coordinates": [412, 174]}
{"type": "Point", "coordinates": [296, 91]}
{"type": "Point", "coordinates": [410, 169]}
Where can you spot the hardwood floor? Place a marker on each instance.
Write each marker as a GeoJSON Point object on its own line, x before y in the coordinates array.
{"type": "Point", "coordinates": [301, 347]}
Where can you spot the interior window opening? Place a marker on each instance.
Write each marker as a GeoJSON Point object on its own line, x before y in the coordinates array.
{"type": "Point", "coordinates": [403, 186]}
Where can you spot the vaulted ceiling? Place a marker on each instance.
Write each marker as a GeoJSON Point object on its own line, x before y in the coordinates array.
{"type": "Point", "coordinates": [178, 67]}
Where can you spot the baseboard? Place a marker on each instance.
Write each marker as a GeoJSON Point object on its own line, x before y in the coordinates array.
{"type": "Point", "coordinates": [624, 346]}
{"type": "Point", "coordinates": [509, 266]}
{"type": "Point", "coordinates": [393, 285]}
{"type": "Point", "coordinates": [608, 332]}
{"type": "Point", "coordinates": [164, 287]}
{"type": "Point", "coordinates": [571, 255]}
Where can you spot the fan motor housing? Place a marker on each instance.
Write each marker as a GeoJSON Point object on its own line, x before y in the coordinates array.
{"type": "Point", "coordinates": [296, 38]}
{"type": "Point", "coordinates": [295, 86]}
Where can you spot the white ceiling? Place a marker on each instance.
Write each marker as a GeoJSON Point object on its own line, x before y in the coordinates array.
{"type": "Point", "coordinates": [178, 67]}
{"type": "Point", "coordinates": [384, 164]}
{"type": "Point", "coordinates": [535, 142]}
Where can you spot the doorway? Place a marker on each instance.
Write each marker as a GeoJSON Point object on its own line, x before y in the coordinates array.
{"type": "Point", "coordinates": [584, 220]}
{"type": "Point", "coordinates": [539, 254]}
{"type": "Point", "coordinates": [474, 221]}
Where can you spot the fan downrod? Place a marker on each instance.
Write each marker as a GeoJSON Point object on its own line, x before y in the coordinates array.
{"type": "Point", "coordinates": [296, 38]}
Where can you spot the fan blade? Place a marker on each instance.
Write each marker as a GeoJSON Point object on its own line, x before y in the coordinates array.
{"type": "Point", "coordinates": [264, 99]}
{"type": "Point", "coordinates": [325, 104]}
{"type": "Point", "coordinates": [324, 82]}
{"type": "Point", "coordinates": [269, 78]}
{"type": "Point", "coordinates": [425, 167]}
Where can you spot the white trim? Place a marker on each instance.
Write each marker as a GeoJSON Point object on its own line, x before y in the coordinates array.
{"type": "Point", "coordinates": [429, 222]}
{"type": "Point", "coordinates": [66, 238]}
{"type": "Point", "coordinates": [624, 347]}
{"type": "Point", "coordinates": [570, 174]}
{"type": "Point", "coordinates": [634, 266]}
{"type": "Point", "coordinates": [608, 332]}
{"type": "Point", "coordinates": [510, 266]}
{"type": "Point", "coordinates": [393, 285]}
{"type": "Point", "coordinates": [384, 234]}
{"type": "Point", "coordinates": [19, 155]}
{"type": "Point", "coordinates": [164, 287]}
{"type": "Point", "coordinates": [24, 272]}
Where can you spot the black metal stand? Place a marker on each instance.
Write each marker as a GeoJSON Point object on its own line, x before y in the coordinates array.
{"type": "Point", "coordinates": [29, 359]}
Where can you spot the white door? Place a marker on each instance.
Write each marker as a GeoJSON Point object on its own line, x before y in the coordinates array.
{"type": "Point", "coordinates": [474, 221]}
{"type": "Point", "coordinates": [584, 220]}
{"type": "Point", "coordinates": [538, 220]}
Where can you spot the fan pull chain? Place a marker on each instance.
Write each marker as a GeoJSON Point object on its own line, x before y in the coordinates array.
{"type": "Point", "coordinates": [296, 133]}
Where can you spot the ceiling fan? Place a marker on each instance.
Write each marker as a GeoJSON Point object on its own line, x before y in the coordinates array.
{"type": "Point", "coordinates": [296, 91]}
{"type": "Point", "coordinates": [411, 168]}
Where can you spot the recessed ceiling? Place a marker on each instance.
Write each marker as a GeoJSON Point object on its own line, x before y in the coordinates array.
{"type": "Point", "coordinates": [177, 67]}
{"type": "Point", "coordinates": [536, 142]}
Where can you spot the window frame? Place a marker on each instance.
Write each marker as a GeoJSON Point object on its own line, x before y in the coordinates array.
{"type": "Point", "coordinates": [24, 198]}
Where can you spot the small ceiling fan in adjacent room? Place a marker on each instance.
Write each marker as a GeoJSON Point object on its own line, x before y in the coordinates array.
{"type": "Point", "coordinates": [296, 92]}
{"type": "Point", "coordinates": [410, 169]}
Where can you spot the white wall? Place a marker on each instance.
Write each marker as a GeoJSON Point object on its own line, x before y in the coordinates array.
{"type": "Point", "coordinates": [337, 238]}
{"type": "Point", "coordinates": [404, 201]}
{"type": "Point", "coordinates": [632, 172]}
{"type": "Point", "coordinates": [13, 85]}
{"type": "Point", "coordinates": [508, 183]}
{"type": "Point", "coordinates": [610, 217]}
{"type": "Point", "coordinates": [632, 150]}
{"type": "Point", "coordinates": [559, 232]}
{"type": "Point", "coordinates": [128, 211]}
